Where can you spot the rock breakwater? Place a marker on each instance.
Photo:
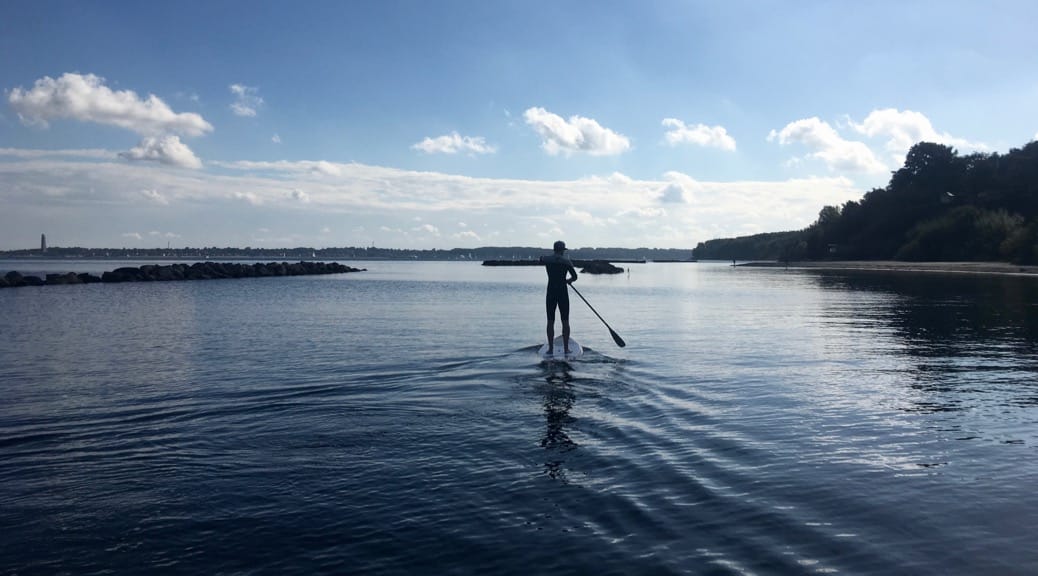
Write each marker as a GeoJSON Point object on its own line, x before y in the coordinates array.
{"type": "Point", "coordinates": [175, 272]}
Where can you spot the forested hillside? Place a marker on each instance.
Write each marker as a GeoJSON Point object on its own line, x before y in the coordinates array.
{"type": "Point", "coordinates": [940, 206]}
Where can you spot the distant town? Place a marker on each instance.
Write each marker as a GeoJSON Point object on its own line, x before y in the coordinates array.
{"type": "Point", "coordinates": [345, 253]}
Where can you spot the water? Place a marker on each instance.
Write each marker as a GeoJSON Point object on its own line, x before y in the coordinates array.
{"type": "Point", "coordinates": [397, 421]}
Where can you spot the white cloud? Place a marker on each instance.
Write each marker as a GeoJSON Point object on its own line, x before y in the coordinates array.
{"type": "Point", "coordinates": [907, 128]}
{"type": "Point", "coordinates": [578, 134]}
{"type": "Point", "coordinates": [583, 217]}
{"type": "Point", "coordinates": [647, 212]}
{"type": "Point", "coordinates": [87, 99]}
{"type": "Point", "coordinates": [326, 168]}
{"type": "Point", "coordinates": [154, 196]}
{"type": "Point", "coordinates": [98, 154]}
{"type": "Point", "coordinates": [828, 146]}
{"type": "Point", "coordinates": [299, 195]}
{"type": "Point", "coordinates": [453, 143]}
{"type": "Point", "coordinates": [132, 235]}
{"type": "Point", "coordinates": [620, 178]}
{"type": "Point", "coordinates": [679, 189]}
{"type": "Point", "coordinates": [246, 100]}
{"type": "Point", "coordinates": [167, 150]}
{"type": "Point", "coordinates": [701, 134]}
{"type": "Point", "coordinates": [672, 194]}
{"type": "Point", "coordinates": [468, 235]}
{"type": "Point", "coordinates": [604, 210]}
{"type": "Point", "coordinates": [249, 197]}
{"type": "Point", "coordinates": [276, 139]}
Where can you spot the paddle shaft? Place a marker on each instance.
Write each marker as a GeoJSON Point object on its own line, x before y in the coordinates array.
{"type": "Point", "coordinates": [616, 337]}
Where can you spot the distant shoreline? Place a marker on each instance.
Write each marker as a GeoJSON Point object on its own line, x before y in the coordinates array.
{"type": "Point", "coordinates": [995, 268]}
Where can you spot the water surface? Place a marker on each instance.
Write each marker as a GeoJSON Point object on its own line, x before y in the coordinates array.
{"type": "Point", "coordinates": [398, 421]}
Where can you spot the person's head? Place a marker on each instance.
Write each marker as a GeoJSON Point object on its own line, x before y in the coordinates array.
{"type": "Point", "coordinates": [559, 247]}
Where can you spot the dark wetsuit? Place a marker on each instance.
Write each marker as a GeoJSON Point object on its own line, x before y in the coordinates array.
{"type": "Point", "coordinates": [557, 295]}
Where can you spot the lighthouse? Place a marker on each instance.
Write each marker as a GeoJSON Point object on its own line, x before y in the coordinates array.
{"type": "Point", "coordinates": [43, 242]}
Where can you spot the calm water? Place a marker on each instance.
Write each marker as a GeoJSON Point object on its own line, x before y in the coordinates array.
{"type": "Point", "coordinates": [397, 421]}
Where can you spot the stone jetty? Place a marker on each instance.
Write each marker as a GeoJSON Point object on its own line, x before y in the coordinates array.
{"type": "Point", "coordinates": [173, 272]}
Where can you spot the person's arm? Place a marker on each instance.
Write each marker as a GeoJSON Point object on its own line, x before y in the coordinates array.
{"type": "Point", "coordinates": [573, 274]}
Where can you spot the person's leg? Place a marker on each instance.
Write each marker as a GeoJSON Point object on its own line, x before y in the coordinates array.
{"type": "Point", "coordinates": [549, 307]}
{"type": "Point", "coordinates": [564, 312]}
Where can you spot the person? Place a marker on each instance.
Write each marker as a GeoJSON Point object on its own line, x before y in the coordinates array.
{"type": "Point", "coordinates": [558, 267]}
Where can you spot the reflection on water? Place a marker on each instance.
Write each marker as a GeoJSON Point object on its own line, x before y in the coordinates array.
{"type": "Point", "coordinates": [558, 401]}
{"type": "Point", "coordinates": [961, 343]}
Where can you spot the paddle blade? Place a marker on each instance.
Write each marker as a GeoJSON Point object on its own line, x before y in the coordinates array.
{"type": "Point", "coordinates": [616, 338]}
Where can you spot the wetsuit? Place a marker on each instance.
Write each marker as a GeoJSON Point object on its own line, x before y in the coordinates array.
{"type": "Point", "coordinates": [557, 295]}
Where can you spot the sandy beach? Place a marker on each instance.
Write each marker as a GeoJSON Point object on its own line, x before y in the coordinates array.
{"type": "Point", "coordinates": [1004, 268]}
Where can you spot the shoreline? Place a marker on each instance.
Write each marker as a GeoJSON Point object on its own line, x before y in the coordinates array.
{"type": "Point", "coordinates": [987, 268]}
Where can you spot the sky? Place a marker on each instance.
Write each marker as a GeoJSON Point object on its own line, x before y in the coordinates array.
{"type": "Point", "coordinates": [452, 124]}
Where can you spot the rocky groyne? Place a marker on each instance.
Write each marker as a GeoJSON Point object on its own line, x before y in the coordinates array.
{"type": "Point", "coordinates": [176, 272]}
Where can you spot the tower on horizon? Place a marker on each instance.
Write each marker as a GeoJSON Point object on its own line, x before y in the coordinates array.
{"type": "Point", "coordinates": [43, 242]}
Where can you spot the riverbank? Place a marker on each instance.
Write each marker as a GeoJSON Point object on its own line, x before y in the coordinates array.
{"type": "Point", "coordinates": [1003, 268]}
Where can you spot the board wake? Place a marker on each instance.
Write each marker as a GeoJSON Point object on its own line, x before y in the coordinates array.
{"type": "Point", "coordinates": [575, 350]}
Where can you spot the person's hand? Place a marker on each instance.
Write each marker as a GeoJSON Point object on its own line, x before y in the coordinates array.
{"type": "Point", "coordinates": [570, 281]}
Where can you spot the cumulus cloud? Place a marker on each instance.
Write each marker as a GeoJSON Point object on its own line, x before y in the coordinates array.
{"type": "Point", "coordinates": [132, 235]}
{"type": "Point", "coordinates": [679, 188]}
{"type": "Point", "coordinates": [468, 235]}
{"type": "Point", "coordinates": [167, 150]}
{"type": "Point", "coordinates": [453, 143]}
{"type": "Point", "coordinates": [299, 196]}
{"type": "Point", "coordinates": [578, 134]}
{"type": "Point", "coordinates": [828, 146]}
{"type": "Point", "coordinates": [700, 134]}
{"type": "Point", "coordinates": [276, 139]}
{"type": "Point", "coordinates": [246, 100]}
{"type": "Point", "coordinates": [87, 99]}
{"type": "Point", "coordinates": [903, 129]}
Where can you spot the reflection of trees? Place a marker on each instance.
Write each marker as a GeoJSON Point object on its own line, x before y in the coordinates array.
{"type": "Point", "coordinates": [956, 329]}
{"type": "Point", "coordinates": [558, 400]}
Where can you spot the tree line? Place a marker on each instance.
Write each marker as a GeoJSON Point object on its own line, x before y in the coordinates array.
{"type": "Point", "coordinates": [347, 253]}
{"type": "Point", "coordinates": [940, 206]}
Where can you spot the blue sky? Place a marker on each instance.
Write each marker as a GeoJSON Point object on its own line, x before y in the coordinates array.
{"type": "Point", "coordinates": [440, 124]}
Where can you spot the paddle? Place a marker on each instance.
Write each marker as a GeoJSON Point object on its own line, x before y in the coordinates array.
{"type": "Point", "coordinates": [616, 337]}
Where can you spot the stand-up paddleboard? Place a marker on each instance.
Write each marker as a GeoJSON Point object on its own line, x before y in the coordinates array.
{"type": "Point", "coordinates": [575, 350]}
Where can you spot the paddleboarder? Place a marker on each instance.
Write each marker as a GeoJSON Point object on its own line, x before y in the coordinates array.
{"type": "Point", "coordinates": [558, 267]}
